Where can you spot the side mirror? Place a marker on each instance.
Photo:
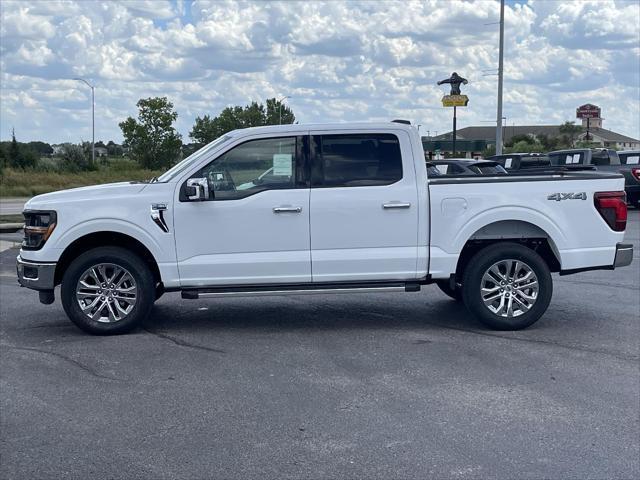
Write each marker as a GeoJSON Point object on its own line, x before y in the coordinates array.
{"type": "Point", "coordinates": [197, 189]}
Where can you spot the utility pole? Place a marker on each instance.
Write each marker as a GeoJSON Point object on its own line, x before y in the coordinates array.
{"type": "Point", "coordinates": [93, 120]}
{"type": "Point", "coordinates": [500, 75]}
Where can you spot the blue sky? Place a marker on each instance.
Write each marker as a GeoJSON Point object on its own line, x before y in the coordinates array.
{"type": "Point", "coordinates": [339, 61]}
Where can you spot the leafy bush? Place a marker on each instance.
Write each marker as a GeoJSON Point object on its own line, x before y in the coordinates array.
{"type": "Point", "coordinates": [48, 165]}
{"type": "Point", "coordinates": [74, 159]}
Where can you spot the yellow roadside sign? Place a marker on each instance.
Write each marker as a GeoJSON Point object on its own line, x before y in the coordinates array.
{"type": "Point", "coordinates": [455, 101]}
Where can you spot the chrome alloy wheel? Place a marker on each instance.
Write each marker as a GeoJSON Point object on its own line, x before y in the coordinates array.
{"type": "Point", "coordinates": [509, 288]}
{"type": "Point", "coordinates": [106, 292]}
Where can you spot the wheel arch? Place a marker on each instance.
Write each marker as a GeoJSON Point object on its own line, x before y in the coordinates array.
{"type": "Point", "coordinates": [104, 239]}
{"type": "Point", "coordinates": [515, 231]}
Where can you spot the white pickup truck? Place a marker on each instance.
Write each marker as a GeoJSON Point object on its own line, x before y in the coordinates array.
{"type": "Point", "coordinates": [300, 209]}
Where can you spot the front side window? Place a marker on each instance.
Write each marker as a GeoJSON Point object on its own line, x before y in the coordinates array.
{"type": "Point", "coordinates": [252, 167]}
{"type": "Point", "coordinates": [357, 160]}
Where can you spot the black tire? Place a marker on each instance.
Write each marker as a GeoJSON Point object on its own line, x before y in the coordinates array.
{"type": "Point", "coordinates": [138, 269]}
{"type": "Point", "coordinates": [454, 293]}
{"type": "Point", "coordinates": [473, 281]}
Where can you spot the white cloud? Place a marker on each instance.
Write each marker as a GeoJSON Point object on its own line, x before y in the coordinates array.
{"type": "Point", "coordinates": [338, 60]}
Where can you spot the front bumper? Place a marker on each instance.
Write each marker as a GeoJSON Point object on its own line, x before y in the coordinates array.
{"type": "Point", "coordinates": [624, 255]}
{"type": "Point", "coordinates": [36, 275]}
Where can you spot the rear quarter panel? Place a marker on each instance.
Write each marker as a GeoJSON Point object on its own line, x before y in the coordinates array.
{"type": "Point", "coordinates": [577, 232]}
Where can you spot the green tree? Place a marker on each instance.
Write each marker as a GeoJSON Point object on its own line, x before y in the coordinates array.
{"type": "Point", "coordinates": [40, 148]}
{"type": "Point", "coordinates": [113, 149]}
{"type": "Point", "coordinates": [3, 161]}
{"type": "Point", "coordinates": [20, 155]}
{"type": "Point", "coordinates": [520, 138]}
{"type": "Point", "coordinates": [569, 131]}
{"type": "Point", "coordinates": [525, 146]}
{"type": "Point", "coordinates": [152, 139]}
{"type": "Point", "coordinates": [207, 129]}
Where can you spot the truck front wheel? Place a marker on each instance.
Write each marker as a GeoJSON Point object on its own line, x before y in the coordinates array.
{"type": "Point", "coordinates": [445, 287]}
{"type": "Point", "coordinates": [507, 286]}
{"type": "Point", "coordinates": [107, 290]}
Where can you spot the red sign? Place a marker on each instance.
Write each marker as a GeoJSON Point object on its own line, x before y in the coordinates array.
{"type": "Point", "coordinates": [588, 111]}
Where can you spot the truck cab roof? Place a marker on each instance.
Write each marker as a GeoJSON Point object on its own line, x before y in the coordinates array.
{"type": "Point", "coordinates": [305, 127]}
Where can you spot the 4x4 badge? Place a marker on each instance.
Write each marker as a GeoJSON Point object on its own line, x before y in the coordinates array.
{"type": "Point", "coordinates": [567, 196]}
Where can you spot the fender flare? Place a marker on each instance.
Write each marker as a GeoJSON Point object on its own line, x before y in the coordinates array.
{"type": "Point", "coordinates": [106, 225]}
{"type": "Point", "coordinates": [555, 234]}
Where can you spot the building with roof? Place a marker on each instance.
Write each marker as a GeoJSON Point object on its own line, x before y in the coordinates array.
{"type": "Point", "coordinates": [473, 140]}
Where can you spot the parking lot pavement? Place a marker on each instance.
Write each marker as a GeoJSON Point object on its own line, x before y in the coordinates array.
{"type": "Point", "coordinates": [369, 385]}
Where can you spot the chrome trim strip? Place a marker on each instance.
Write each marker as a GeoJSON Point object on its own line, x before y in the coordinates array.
{"type": "Point", "coordinates": [396, 205]}
{"type": "Point", "coordinates": [45, 278]}
{"type": "Point", "coordinates": [157, 215]}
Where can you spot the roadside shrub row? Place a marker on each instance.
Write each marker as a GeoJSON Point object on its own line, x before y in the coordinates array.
{"type": "Point", "coordinates": [15, 182]}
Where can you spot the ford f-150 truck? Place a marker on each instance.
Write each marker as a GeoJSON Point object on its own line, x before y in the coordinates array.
{"type": "Point", "coordinates": [300, 209]}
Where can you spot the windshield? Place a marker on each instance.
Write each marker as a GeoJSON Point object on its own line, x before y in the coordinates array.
{"type": "Point", "coordinates": [181, 166]}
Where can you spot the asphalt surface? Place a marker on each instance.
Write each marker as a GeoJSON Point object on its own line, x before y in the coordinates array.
{"type": "Point", "coordinates": [369, 385]}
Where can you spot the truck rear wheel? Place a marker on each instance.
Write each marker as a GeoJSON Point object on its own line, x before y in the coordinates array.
{"type": "Point", "coordinates": [107, 290]}
{"type": "Point", "coordinates": [507, 286]}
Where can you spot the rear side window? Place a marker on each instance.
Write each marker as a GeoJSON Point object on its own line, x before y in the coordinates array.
{"type": "Point", "coordinates": [629, 158]}
{"type": "Point", "coordinates": [357, 160]}
{"type": "Point", "coordinates": [534, 161]}
{"type": "Point", "coordinates": [488, 169]}
{"type": "Point", "coordinates": [567, 158]}
{"type": "Point", "coordinates": [450, 169]}
{"type": "Point", "coordinates": [600, 158]}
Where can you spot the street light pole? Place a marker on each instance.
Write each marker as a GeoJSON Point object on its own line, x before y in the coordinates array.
{"type": "Point", "coordinates": [500, 76]}
{"type": "Point", "coordinates": [93, 120]}
{"type": "Point", "coordinates": [280, 102]}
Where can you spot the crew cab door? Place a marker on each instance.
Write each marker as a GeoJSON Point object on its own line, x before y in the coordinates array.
{"type": "Point", "coordinates": [364, 206]}
{"type": "Point", "coordinates": [254, 227]}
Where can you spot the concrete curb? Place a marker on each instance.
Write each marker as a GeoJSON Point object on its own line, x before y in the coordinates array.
{"type": "Point", "coordinates": [10, 227]}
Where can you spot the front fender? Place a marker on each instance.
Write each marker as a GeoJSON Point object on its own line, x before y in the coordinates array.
{"type": "Point", "coordinates": [110, 225]}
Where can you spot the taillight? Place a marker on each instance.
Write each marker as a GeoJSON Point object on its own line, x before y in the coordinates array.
{"type": "Point", "coordinates": [612, 207]}
{"type": "Point", "coordinates": [636, 173]}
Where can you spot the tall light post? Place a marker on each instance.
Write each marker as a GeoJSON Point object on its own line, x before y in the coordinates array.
{"type": "Point", "coordinates": [93, 120]}
{"type": "Point", "coordinates": [500, 76]}
{"type": "Point", "coordinates": [280, 102]}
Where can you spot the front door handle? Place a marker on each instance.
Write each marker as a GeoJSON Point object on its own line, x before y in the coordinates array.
{"type": "Point", "coordinates": [287, 209]}
{"type": "Point", "coordinates": [396, 205]}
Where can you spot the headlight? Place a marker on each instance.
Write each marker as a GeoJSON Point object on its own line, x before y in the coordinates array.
{"type": "Point", "coordinates": [38, 227]}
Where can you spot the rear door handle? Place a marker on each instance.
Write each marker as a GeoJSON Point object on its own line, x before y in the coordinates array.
{"type": "Point", "coordinates": [396, 205]}
{"type": "Point", "coordinates": [287, 209]}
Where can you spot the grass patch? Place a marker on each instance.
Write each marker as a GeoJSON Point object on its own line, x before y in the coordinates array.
{"type": "Point", "coordinates": [27, 183]}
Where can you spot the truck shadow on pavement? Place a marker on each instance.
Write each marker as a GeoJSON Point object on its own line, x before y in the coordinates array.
{"type": "Point", "coordinates": [300, 313]}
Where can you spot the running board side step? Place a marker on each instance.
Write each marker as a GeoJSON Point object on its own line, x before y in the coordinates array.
{"type": "Point", "coordinates": [298, 289]}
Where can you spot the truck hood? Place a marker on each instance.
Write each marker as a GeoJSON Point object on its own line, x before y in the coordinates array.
{"type": "Point", "coordinates": [106, 191]}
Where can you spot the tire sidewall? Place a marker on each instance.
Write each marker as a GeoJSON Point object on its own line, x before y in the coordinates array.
{"type": "Point", "coordinates": [479, 264]}
{"type": "Point", "coordinates": [123, 258]}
